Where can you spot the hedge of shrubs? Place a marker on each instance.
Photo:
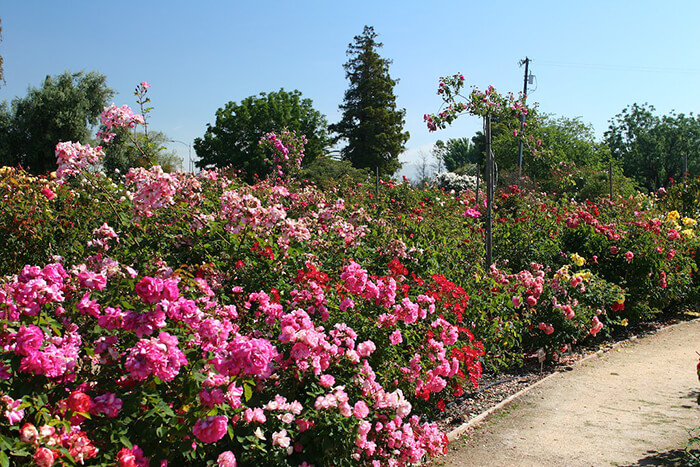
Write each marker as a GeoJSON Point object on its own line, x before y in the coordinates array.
{"type": "Point", "coordinates": [180, 319]}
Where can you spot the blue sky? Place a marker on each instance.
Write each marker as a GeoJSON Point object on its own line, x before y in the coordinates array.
{"type": "Point", "coordinates": [591, 59]}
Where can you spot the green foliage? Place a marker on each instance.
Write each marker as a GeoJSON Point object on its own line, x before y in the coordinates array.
{"type": "Point", "coordinates": [233, 139]}
{"type": "Point", "coordinates": [459, 152]}
{"type": "Point", "coordinates": [328, 173]}
{"type": "Point", "coordinates": [123, 152]}
{"type": "Point", "coordinates": [371, 123]}
{"type": "Point", "coordinates": [652, 149]}
{"type": "Point", "coordinates": [63, 109]}
{"type": "Point", "coordinates": [556, 141]}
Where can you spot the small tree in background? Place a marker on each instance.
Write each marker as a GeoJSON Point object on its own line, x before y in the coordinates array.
{"type": "Point", "coordinates": [654, 149]}
{"type": "Point", "coordinates": [63, 109]}
{"type": "Point", "coordinates": [125, 146]}
{"type": "Point", "coordinates": [459, 152]}
{"type": "Point", "coordinates": [371, 123]}
{"type": "Point", "coordinates": [233, 139]}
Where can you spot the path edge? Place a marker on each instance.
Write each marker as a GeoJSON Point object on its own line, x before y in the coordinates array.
{"type": "Point", "coordinates": [460, 430]}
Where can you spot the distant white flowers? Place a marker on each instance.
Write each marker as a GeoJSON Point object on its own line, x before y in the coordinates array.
{"type": "Point", "coordinates": [451, 181]}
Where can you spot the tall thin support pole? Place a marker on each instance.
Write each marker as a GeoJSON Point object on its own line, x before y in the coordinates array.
{"type": "Point", "coordinates": [478, 180]}
{"type": "Point", "coordinates": [610, 176]}
{"type": "Point", "coordinates": [489, 192]}
{"type": "Point", "coordinates": [522, 120]}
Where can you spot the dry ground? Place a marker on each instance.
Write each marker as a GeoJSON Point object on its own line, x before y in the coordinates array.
{"type": "Point", "coordinates": [625, 407]}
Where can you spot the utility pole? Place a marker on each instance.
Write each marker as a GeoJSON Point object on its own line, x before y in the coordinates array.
{"type": "Point", "coordinates": [522, 117]}
{"type": "Point", "coordinates": [490, 178]}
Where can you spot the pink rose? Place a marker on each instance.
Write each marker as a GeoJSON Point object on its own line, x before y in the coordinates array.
{"type": "Point", "coordinates": [48, 193]}
{"type": "Point", "coordinates": [28, 433]}
{"type": "Point", "coordinates": [360, 410]}
{"type": "Point", "coordinates": [327, 381]}
{"type": "Point", "coordinates": [227, 459]}
{"type": "Point", "coordinates": [149, 289]}
{"type": "Point", "coordinates": [210, 429]}
{"type": "Point", "coordinates": [28, 339]}
{"type": "Point", "coordinates": [366, 348]}
{"type": "Point", "coordinates": [132, 458]}
{"type": "Point", "coordinates": [281, 439]}
{"type": "Point", "coordinates": [596, 326]}
{"type": "Point", "coordinates": [396, 337]}
{"type": "Point", "coordinates": [44, 457]}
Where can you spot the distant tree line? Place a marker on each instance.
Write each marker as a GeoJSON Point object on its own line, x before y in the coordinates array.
{"type": "Point", "coordinates": [640, 148]}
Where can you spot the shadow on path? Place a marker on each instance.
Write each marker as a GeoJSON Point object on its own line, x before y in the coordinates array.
{"type": "Point", "coordinates": [675, 457]}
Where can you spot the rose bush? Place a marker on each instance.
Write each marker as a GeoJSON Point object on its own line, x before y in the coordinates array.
{"type": "Point", "coordinates": [194, 319]}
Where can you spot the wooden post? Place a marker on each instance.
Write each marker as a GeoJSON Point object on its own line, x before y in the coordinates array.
{"type": "Point", "coordinates": [490, 178]}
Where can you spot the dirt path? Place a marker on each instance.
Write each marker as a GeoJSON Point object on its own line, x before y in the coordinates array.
{"type": "Point", "coordinates": [619, 409]}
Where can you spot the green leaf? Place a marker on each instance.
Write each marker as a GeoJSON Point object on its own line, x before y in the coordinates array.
{"type": "Point", "coordinates": [125, 441]}
{"type": "Point", "coordinates": [4, 461]}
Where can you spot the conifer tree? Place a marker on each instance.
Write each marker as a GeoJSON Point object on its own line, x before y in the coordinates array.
{"type": "Point", "coordinates": [371, 123]}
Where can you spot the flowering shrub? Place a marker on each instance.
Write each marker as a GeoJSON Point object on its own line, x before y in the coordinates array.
{"type": "Point", "coordinates": [285, 152]}
{"type": "Point", "coordinates": [196, 320]}
{"type": "Point", "coordinates": [449, 181]}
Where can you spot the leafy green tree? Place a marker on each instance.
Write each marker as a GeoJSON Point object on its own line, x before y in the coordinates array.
{"type": "Point", "coordinates": [371, 123]}
{"type": "Point", "coordinates": [63, 109]}
{"type": "Point", "coordinates": [328, 173]}
{"type": "Point", "coordinates": [552, 141]}
{"type": "Point", "coordinates": [121, 153]}
{"type": "Point", "coordinates": [5, 135]}
{"type": "Point", "coordinates": [654, 149]}
{"type": "Point", "coordinates": [233, 139]}
{"type": "Point", "coordinates": [459, 152]}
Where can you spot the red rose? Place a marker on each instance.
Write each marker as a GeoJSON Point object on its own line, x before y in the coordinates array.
{"type": "Point", "coordinates": [79, 402]}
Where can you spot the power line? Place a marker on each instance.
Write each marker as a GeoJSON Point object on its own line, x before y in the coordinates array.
{"type": "Point", "coordinates": [638, 69]}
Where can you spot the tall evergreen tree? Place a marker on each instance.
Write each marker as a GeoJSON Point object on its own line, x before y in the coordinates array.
{"type": "Point", "coordinates": [371, 123]}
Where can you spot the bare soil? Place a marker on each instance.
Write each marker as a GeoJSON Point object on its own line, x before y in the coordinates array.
{"type": "Point", "coordinates": [633, 405]}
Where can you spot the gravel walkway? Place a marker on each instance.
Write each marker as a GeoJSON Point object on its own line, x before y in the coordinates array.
{"type": "Point", "coordinates": [625, 407]}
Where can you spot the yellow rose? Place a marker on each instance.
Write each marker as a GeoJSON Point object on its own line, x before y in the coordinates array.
{"type": "Point", "coordinates": [673, 216]}
{"type": "Point", "coordinates": [578, 260]}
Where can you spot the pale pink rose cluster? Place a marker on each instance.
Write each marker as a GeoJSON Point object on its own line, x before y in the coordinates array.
{"type": "Point", "coordinates": [245, 355]}
{"type": "Point", "coordinates": [102, 237]}
{"type": "Point", "coordinates": [72, 158]}
{"type": "Point", "coordinates": [382, 291]}
{"type": "Point", "coordinates": [531, 281]}
{"type": "Point", "coordinates": [117, 117]}
{"type": "Point", "coordinates": [596, 326]}
{"type": "Point", "coordinates": [311, 350]}
{"type": "Point", "coordinates": [34, 288]}
{"type": "Point", "coordinates": [246, 211]}
{"type": "Point", "coordinates": [284, 157]}
{"type": "Point", "coordinates": [154, 189]}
